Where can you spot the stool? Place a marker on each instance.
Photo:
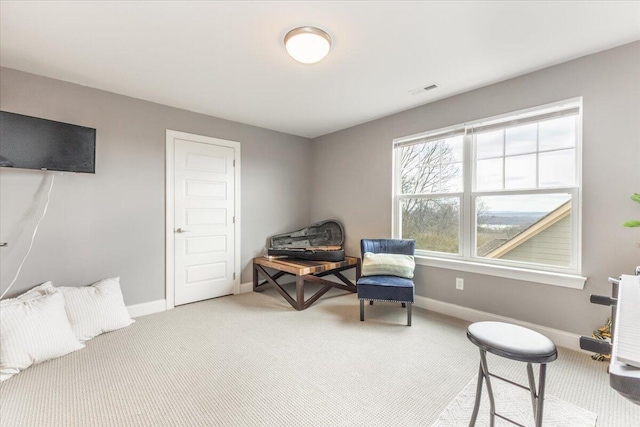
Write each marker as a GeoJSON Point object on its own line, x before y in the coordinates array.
{"type": "Point", "coordinates": [515, 343]}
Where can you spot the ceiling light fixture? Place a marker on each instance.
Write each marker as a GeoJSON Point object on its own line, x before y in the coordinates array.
{"type": "Point", "coordinates": [307, 45]}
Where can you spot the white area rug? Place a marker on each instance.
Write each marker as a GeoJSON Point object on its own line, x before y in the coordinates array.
{"type": "Point", "coordinates": [511, 402]}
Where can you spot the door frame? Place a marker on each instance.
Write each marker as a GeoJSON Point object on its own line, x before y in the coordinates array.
{"type": "Point", "coordinates": [170, 202]}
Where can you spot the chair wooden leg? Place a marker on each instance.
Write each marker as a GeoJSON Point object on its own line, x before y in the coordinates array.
{"type": "Point", "coordinates": [409, 313]}
{"type": "Point", "coordinates": [371, 302]}
{"type": "Point", "coordinates": [404, 304]}
{"type": "Point", "coordinates": [362, 310]}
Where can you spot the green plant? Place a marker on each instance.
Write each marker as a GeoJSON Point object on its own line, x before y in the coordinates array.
{"type": "Point", "coordinates": [633, 223]}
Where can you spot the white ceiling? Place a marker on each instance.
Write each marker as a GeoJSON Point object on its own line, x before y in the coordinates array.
{"type": "Point", "coordinates": [227, 59]}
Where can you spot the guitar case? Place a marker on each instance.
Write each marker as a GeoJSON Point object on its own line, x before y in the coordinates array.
{"type": "Point", "coordinates": [311, 242]}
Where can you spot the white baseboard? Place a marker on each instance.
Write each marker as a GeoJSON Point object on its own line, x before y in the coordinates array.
{"type": "Point", "coordinates": [145, 308]}
{"type": "Point", "coordinates": [560, 338]}
{"type": "Point", "coordinates": [246, 287]}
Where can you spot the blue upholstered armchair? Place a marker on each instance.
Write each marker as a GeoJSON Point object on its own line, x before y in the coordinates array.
{"type": "Point", "coordinates": [387, 288]}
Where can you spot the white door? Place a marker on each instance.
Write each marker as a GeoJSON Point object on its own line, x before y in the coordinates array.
{"type": "Point", "coordinates": [204, 245]}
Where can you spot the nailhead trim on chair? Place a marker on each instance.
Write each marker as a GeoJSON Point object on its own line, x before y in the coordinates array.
{"type": "Point", "coordinates": [384, 300]}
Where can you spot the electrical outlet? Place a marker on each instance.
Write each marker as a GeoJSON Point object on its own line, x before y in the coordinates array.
{"type": "Point", "coordinates": [459, 283]}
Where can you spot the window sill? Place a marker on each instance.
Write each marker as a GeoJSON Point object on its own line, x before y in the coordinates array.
{"type": "Point", "coordinates": [545, 277]}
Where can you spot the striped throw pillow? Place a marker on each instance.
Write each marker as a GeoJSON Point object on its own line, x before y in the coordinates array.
{"type": "Point", "coordinates": [95, 309]}
{"type": "Point", "coordinates": [388, 265]}
{"type": "Point", "coordinates": [44, 289]}
{"type": "Point", "coordinates": [33, 331]}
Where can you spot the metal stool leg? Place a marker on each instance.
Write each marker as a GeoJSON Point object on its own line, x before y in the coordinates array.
{"type": "Point", "coordinates": [409, 313]}
{"type": "Point", "coordinates": [541, 380]}
{"type": "Point", "coordinates": [485, 368]}
{"type": "Point", "coordinates": [476, 406]}
{"type": "Point", "coordinates": [532, 389]}
{"type": "Point", "coordinates": [362, 310]}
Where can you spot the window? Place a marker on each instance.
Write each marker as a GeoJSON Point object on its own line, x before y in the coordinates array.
{"type": "Point", "coordinates": [498, 192]}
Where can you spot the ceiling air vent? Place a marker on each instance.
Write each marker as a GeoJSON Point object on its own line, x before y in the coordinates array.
{"type": "Point", "coordinates": [422, 89]}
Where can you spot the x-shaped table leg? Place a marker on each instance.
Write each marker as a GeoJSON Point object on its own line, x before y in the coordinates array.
{"type": "Point", "coordinates": [299, 303]}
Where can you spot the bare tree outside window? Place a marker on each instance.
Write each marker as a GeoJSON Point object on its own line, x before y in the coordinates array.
{"type": "Point", "coordinates": [431, 168]}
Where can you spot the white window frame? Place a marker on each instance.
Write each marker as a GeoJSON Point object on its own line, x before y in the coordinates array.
{"type": "Point", "coordinates": [466, 260]}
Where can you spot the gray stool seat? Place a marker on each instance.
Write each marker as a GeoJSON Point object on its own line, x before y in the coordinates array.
{"type": "Point", "coordinates": [516, 343]}
{"type": "Point", "coordinates": [513, 342]}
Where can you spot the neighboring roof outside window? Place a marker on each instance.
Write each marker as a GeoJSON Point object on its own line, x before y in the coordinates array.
{"type": "Point", "coordinates": [501, 248]}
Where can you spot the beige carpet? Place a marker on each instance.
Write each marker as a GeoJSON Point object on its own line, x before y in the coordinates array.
{"type": "Point", "coordinates": [251, 360]}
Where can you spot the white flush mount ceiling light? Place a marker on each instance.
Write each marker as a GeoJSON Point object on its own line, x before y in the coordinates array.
{"type": "Point", "coordinates": [307, 45]}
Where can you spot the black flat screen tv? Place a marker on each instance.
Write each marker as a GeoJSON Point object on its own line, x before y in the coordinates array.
{"type": "Point", "coordinates": [33, 143]}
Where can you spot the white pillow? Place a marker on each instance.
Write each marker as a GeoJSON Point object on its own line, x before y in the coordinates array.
{"type": "Point", "coordinates": [44, 289]}
{"type": "Point", "coordinates": [33, 331]}
{"type": "Point", "coordinates": [95, 309]}
{"type": "Point", "coordinates": [382, 264]}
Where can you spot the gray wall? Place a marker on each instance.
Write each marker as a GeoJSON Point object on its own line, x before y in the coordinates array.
{"type": "Point", "coordinates": [352, 182]}
{"type": "Point", "coordinates": [112, 223]}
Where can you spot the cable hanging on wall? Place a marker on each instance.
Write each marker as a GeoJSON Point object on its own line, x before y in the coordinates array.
{"type": "Point", "coordinates": [33, 237]}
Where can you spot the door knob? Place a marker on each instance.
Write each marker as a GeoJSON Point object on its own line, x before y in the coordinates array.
{"type": "Point", "coordinates": [182, 230]}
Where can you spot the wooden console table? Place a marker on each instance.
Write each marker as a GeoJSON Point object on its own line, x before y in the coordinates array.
{"type": "Point", "coordinates": [304, 270]}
